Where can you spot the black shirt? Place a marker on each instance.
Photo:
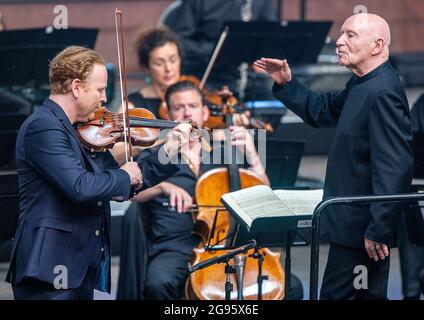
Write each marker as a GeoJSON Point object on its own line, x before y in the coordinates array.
{"type": "Point", "coordinates": [170, 230]}
{"type": "Point", "coordinates": [151, 104]}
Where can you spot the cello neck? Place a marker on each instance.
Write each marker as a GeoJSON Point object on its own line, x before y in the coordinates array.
{"type": "Point", "coordinates": [233, 169]}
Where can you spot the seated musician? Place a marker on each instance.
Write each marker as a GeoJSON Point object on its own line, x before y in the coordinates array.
{"type": "Point", "coordinates": [172, 237]}
{"type": "Point", "coordinates": [159, 54]}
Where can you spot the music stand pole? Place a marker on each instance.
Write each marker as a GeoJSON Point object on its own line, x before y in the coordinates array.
{"type": "Point", "coordinates": [287, 282]}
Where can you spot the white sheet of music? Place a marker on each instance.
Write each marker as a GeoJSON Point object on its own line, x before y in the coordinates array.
{"type": "Point", "coordinates": [257, 202]}
{"type": "Point", "coordinates": [300, 201]}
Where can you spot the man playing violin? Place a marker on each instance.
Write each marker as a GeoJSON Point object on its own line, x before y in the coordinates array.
{"type": "Point", "coordinates": [172, 238]}
{"type": "Point", "coordinates": [62, 241]}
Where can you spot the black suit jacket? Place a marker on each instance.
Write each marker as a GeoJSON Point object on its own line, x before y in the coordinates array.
{"type": "Point", "coordinates": [370, 153]}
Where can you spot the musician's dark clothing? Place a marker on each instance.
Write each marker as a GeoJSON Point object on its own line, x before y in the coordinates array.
{"type": "Point", "coordinates": [411, 255]}
{"type": "Point", "coordinates": [171, 237]}
{"type": "Point", "coordinates": [151, 104]}
{"type": "Point", "coordinates": [167, 275]}
{"type": "Point", "coordinates": [171, 240]}
{"type": "Point", "coordinates": [172, 231]}
{"type": "Point", "coordinates": [370, 153]}
{"type": "Point", "coordinates": [411, 258]}
{"type": "Point", "coordinates": [417, 114]}
{"type": "Point", "coordinates": [341, 277]}
{"type": "Point", "coordinates": [33, 289]}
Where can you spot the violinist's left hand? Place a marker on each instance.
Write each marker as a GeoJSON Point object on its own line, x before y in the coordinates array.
{"type": "Point", "coordinates": [177, 138]}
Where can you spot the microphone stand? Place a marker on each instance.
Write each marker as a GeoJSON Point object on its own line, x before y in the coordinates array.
{"type": "Point", "coordinates": [225, 258]}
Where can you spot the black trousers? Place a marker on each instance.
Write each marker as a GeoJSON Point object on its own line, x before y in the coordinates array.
{"type": "Point", "coordinates": [411, 259]}
{"type": "Point", "coordinates": [166, 276]}
{"type": "Point", "coordinates": [341, 278]}
{"type": "Point", "coordinates": [33, 289]}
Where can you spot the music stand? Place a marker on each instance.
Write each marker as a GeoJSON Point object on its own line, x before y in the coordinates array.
{"type": "Point", "coordinates": [25, 54]}
{"type": "Point", "coordinates": [282, 161]}
{"type": "Point", "coordinates": [298, 42]}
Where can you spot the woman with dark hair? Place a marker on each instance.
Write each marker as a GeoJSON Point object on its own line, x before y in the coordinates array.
{"type": "Point", "coordinates": [159, 54]}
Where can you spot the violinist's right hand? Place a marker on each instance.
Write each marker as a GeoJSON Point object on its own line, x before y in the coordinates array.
{"type": "Point", "coordinates": [177, 138]}
{"type": "Point", "coordinates": [134, 172]}
{"type": "Point", "coordinates": [178, 197]}
{"type": "Point", "coordinates": [278, 70]}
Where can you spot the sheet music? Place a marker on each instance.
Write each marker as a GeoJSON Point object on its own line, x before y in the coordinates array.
{"type": "Point", "coordinates": [256, 202]}
{"type": "Point", "coordinates": [300, 201]}
{"type": "Point", "coordinates": [262, 201]}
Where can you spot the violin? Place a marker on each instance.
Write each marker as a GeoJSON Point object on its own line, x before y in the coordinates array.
{"type": "Point", "coordinates": [216, 116]}
{"type": "Point", "coordinates": [134, 127]}
{"type": "Point", "coordinates": [217, 230]}
{"type": "Point", "coordinates": [107, 128]}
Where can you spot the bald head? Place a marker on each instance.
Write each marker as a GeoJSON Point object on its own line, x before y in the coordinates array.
{"type": "Point", "coordinates": [364, 42]}
{"type": "Point", "coordinates": [371, 24]}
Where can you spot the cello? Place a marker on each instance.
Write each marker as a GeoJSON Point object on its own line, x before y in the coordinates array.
{"type": "Point", "coordinates": [217, 226]}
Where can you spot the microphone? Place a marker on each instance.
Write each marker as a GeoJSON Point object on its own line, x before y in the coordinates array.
{"type": "Point", "coordinates": [223, 258]}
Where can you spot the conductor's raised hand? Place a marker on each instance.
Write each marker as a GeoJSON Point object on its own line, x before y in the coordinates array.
{"type": "Point", "coordinates": [278, 70]}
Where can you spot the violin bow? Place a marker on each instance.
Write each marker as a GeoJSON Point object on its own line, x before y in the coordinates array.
{"type": "Point", "coordinates": [123, 84]}
{"type": "Point", "coordinates": [216, 51]}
